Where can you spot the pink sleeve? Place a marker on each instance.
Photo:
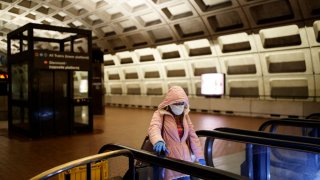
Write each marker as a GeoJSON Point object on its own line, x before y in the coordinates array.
{"type": "Point", "coordinates": [154, 130]}
{"type": "Point", "coordinates": [195, 144]}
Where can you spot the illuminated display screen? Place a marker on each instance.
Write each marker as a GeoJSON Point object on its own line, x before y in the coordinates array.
{"type": "Point", "coordinates": [212, 84]}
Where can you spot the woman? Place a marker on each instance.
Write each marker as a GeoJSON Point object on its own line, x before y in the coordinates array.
{"type": "Point", "coordinates": [171, 131]}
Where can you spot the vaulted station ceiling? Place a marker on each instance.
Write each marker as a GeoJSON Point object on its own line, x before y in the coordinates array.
{"type": "Point", "coordinates": [120, 25]}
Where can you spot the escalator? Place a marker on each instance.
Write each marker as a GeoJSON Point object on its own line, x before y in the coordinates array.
{"type": "Point", "coordinates": [294, 162]}
{"type": "Point", "coordinates": [308, 127]}
{"type": "Point", "coordinates": [255, 160]}
{"type": "Point", "coordinates": [113, 150]}
{"type": "Point", "coordinates": [192, 169]}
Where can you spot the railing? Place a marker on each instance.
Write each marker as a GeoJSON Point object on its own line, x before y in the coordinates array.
{"type": "Point", "coordinates": [311, 123]}
{"type": "Point", "coordinates": [258, 142]}
{"type": "Point", "coordinates": [280, 137]}
{"type": "Point", "coordinates": [259, 138]}
{"type": "Point", "coordinates": [190, 168]}
{"type": "Point", "coordinates": [88, 160]}
{"type": "Point", "coordinates": [314, 116]}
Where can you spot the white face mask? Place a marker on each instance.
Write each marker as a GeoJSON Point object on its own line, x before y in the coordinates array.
{"type": "Point", "coordinates": [177, 109]}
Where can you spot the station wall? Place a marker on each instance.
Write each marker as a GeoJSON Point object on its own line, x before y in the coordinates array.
{"type": "Point", "coordinates": [272, 73]}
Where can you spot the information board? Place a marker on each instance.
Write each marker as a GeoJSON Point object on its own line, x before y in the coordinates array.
{"type": "Point", "coordinates": [61, 61]}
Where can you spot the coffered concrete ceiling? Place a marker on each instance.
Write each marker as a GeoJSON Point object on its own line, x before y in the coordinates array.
{"type": "Point", "coordinates": [119, 25]}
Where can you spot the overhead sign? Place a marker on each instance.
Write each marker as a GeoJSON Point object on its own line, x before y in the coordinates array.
{"type": "Point", "coordinates": [61, 61]}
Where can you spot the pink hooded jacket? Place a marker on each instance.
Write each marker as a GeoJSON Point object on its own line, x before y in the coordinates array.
{"type": "Point", "coordinates": [178, 147]}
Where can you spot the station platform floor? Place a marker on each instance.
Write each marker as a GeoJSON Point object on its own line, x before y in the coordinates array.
{"type": "Point", "coordinates": [23, 158]}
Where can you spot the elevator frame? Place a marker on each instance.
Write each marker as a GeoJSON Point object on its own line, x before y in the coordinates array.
{"type": "Point", "coordinates": [29, 56]}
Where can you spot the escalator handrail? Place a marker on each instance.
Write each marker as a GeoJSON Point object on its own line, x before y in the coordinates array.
{"type": "Point", "coordinates": [298, 139]}
{"type": "Point", "coordinates": [190, 168]}
{"type": "Point", "coordinates": [290, 122]}
{"type": "Point", "coordinates": [273, 141]}
{"type": "Point", "coordinates": [293, 138]}
{"type": "Point", "coordinates": [88, 160]}
{"type": "Point", "coordinates": [299, 119]}
{"type": "Point", "coordinates": [313, 114]}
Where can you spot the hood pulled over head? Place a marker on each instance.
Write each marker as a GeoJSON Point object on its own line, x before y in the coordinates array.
{"type": "Point", "coordinates": [175, 94]}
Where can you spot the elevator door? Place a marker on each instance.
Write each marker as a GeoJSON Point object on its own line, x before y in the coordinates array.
{"type": "Point", "coordinates": [53, 103]}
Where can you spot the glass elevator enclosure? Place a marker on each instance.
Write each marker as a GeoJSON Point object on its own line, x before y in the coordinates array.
{"type": "Point", "coordinates": [49, 80]}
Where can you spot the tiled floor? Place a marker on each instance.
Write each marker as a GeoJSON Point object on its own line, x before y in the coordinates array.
{"type": "Point", "coordinates": [24, 158]}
